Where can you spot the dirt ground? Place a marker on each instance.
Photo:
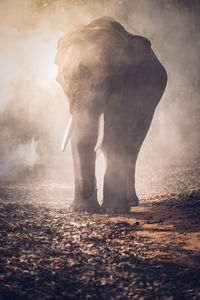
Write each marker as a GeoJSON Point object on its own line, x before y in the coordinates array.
{"type": "Point", "coordinates": [48, 252]}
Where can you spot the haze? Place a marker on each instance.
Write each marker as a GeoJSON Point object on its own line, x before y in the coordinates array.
{"type": "Point", "coordinates": [33, 107]}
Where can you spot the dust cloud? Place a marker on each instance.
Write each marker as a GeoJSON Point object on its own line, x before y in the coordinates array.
{"type": "Point", "coordinates": [33, 107]}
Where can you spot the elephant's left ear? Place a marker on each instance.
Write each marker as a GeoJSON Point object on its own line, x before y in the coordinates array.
{"type": "Point", "coordinates": [139, 44]}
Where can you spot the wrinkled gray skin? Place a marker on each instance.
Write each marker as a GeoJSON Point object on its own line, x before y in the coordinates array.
{"type": "Point", "coordinates": [105, 69]}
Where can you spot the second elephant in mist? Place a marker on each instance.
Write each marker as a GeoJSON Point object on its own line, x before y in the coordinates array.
{"type": "Point", "coordinates": [106, 71]}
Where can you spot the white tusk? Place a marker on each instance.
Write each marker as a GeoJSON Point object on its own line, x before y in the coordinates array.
{"type": "Point", "coordinates": [67, 134]}
{"type": "Point", "coordinates": [99, 152]}
{"type": "Point", "coordinates": [100, 133]}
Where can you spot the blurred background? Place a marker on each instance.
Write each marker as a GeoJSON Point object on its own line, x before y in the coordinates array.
{"type": "Point", "coordinates": [34, 109]}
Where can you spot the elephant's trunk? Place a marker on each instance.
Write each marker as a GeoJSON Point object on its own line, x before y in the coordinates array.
{"type": "Point", "coordinates": [84, 131]}
{"type": "Point", "coordinates": [84, 138]}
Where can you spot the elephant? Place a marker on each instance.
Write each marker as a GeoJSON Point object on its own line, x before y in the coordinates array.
{"type": "Point", "coordinates": [114, 82]}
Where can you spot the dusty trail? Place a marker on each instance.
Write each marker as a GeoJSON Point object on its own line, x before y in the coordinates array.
{"type": "Point", "coordinates": [49, 253]}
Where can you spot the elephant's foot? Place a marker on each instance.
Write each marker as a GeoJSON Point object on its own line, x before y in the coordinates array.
{"type": "Point", "coordinates": [83, 205]}
{"type": "Point", "coordinates": [115, 207]}
{"type": "Point", "coordinates": [134, 201]}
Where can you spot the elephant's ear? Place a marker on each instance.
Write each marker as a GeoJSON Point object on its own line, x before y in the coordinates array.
{"type": "Point", "coordinates": [59, 42]}
{"type": "Point", "coordinates": [139, 45]}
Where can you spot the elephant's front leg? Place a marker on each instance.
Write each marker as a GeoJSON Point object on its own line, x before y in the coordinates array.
{"type": "Point", "coordinates": [114, 190]}
{"type": "Point", "coordinates": [121, 150]}
{"type": "Point", "coordinates": [83, 141]}
{"type": "Point", "coordinates": [119, 185]}
{"type": "Point", "coordinates": [131, 193]}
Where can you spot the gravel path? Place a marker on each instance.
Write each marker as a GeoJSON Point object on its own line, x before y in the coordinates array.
{"type": "Point", "coordinates": [50, 253]}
